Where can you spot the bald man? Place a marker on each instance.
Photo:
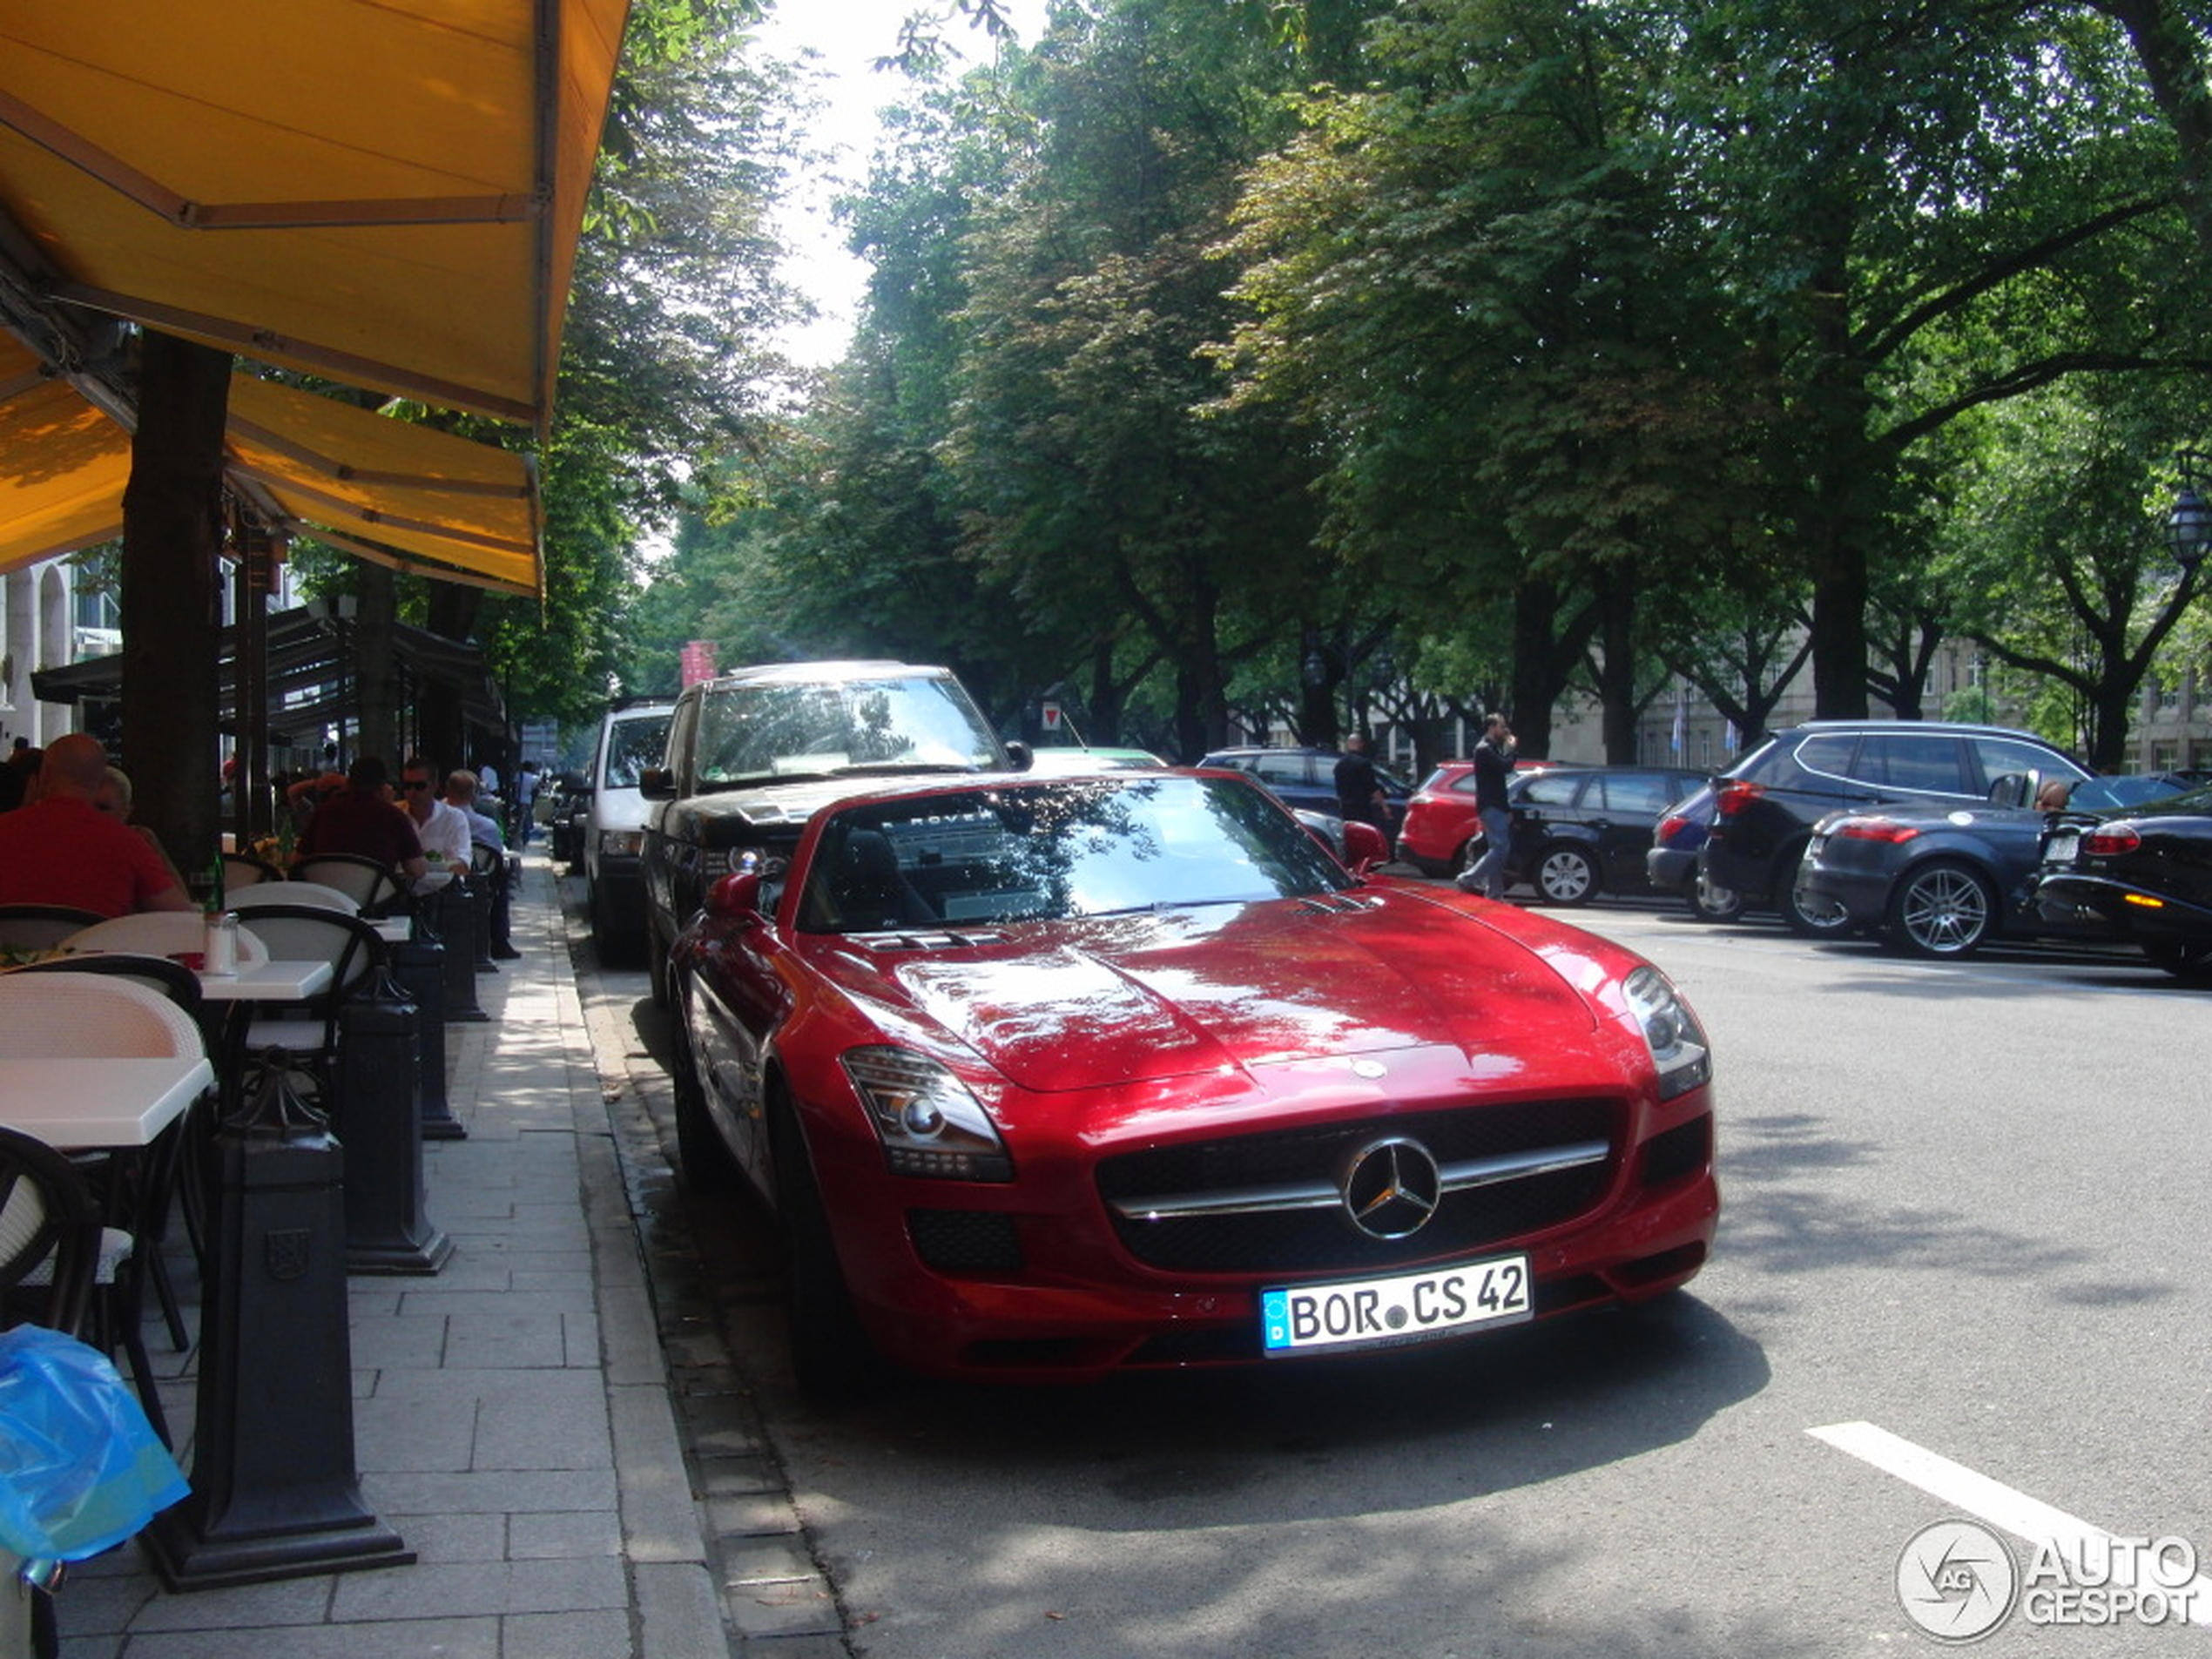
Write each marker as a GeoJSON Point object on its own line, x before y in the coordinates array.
{"type": "Point", "coordinates": [60, 849]}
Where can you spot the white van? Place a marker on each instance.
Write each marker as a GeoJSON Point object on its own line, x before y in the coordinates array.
{"type": "Point", "coordinates": [632, 737]}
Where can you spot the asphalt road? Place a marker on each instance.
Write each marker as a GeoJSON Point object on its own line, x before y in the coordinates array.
{"type": "Point", "coordinates": [1963, 1238]}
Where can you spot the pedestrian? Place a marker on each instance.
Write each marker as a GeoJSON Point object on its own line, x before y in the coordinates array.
{"type": "Point", "coordinates": [59, 849]}
{"type": "Point", "coordinates": [1493, 758]}
{"type": "Point", "coordinates": [526, 782]}
{"type": "Point", "coordinates": [1359, 792]}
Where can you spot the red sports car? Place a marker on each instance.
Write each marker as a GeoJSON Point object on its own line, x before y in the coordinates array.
{"type": "Point", "coordinates": [1048, 1078]}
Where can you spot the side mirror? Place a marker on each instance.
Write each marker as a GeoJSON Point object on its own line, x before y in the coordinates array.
{"type": "Point", "coordinates": [1018, 756]}
{"type": "Point", "coordinates": [656, 783]}
{"type": "Point", "coordinates": [1364, 847]}
{"type": "Point", "coordinates": [736, 898]}
{"type": "Point", "coordinates": [2014, 788]}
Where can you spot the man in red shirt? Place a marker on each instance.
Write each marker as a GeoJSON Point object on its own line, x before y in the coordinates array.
{"type": "Point", "coordinates": [363, 820]}
{"type": "Point", "coordinates": [61, 850]}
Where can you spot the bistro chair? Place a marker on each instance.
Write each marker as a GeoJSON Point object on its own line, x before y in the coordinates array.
{"type": "Point", "coordinates": [160, 933]}
{"type": "Point", "coordinates": [295, 893]}
{"type": "Point", "coordinates": [309, 1031]}
{"type": "Point", "coordinates": [245, 870]}
{"type": "Point", "coordinates": [98, 1015]}
{"type": "Point", "coordinates": [41, 926]}
{"type": "Point", "coordinates": [368, 884]}
{"type": "Point", "coordinates": [49, 1233]}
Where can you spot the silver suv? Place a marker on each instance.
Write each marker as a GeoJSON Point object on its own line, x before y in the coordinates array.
{"type": "Point", "coordinates": [632, 737]}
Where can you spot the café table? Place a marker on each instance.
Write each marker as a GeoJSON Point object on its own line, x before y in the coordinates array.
{"type": "Point", "coordinates": [98, 1101]}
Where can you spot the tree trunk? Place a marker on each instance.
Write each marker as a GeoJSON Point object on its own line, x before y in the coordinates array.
{"type": "Point", "coordinates": [375, 670]}
{"type": "Point", "coordinates": [171, 620]}
{"type": "Point", "coordinates": [1619, 711]}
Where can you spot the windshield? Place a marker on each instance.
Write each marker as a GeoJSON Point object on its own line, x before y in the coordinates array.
{"type": "Point", "coordinates": [748, 734]}
{"type": "Point", "coordinates": [632, 745]}
{"type": "Point", "coordinates": [1052, 851]}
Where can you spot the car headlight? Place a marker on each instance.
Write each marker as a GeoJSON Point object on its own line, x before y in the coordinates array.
{"type": "Point", "coordinates": [1670, 1031]}
{"type": "Point", "coordinates": [929, 1123]}
{"type": "Point", "coordinates": [621, 844]}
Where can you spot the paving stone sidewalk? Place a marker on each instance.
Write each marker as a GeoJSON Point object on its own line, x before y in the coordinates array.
{"type": "Point", "coordinates": [515, 1417]}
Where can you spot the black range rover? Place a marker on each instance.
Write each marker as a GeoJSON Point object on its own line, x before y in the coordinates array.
{"type": "Point", "coordinates": [752, 755]}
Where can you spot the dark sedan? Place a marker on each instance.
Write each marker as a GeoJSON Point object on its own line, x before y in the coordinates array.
{"type": "Point", "coordinates": [2144, 875]}
{"type": "Point", "coordinates": [1935, 880]}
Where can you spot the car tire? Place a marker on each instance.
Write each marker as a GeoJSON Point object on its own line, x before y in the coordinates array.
{"type": "Point", "coordinates": [1710, 902]}
{"type": "Point", "coordinates": [1832, 921]}
{"type": "Point", "coordinates": [1942, 908]}
{"type": "Point", "coordinates": [1565, 874]}
{"type": "Point", "coordinates": [703, 1158]}
{"type": "Point", "coordinates": [831, 1359]}
{"type": "Point", "coordinates": [1465, 856]}
{"type": "Point", "coordinates": [656, 966]}
{"type": "Point", "coordinates": [2183, 959]}
{"type": "Point", "coordinates": [618, 946]}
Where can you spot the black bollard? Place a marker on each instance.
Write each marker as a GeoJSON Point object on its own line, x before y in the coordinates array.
{"type": "Point", "coordinates": [274, 1490]}
{"type": "Point", "coordinates": [380, 1121]}
{"type": "Point", "coordinates": [454, 906]}
{"type": "Point", "coordinates": [419, 966]}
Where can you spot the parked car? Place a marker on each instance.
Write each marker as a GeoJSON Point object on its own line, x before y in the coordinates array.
{"type": "Point", "coordinates": [1307, 778]}
{"type": "Point", "coordinates": [1770, 799]}
{"type": "Point", "coordinates": [752, 753]}
{"type": "Point", "coordinates": [632, 737]}
{"type": "Point", "coordinates": [1578, 832]}
{"type": "Point", "coordinates": [561, 803]}
{"type": "Point", "coordinates": [1944, 881]}
{"type": "Point", "coordinates": [1442, 820]}
{"type": "Point", "coordinates": [1671, 864]}
{"type": "Point", "coordinates": [2143, 874]}
{"type": "Point", "coordinates": [1050, 1079]}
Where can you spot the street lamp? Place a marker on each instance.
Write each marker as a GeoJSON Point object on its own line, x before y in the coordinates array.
{"type": "Point", "coordinates": [2188, 527]}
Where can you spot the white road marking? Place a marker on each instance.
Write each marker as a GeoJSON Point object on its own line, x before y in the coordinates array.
{"type": "Point", "coordinates": [1980, 1496]}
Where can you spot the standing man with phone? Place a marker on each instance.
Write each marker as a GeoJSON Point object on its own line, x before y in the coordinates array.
{"type": "Point", "coordinates": [1493, 758]}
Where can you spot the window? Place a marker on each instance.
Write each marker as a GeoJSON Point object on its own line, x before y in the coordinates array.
{"type": "Point", "coordinates": [1281, 769]}
{"type": "Point", "coordinates": [1636, 792]}
{"type": "Point", "coordinates": [1924, 761]}
{"type": "Point", "coordinates": [1551, 789]}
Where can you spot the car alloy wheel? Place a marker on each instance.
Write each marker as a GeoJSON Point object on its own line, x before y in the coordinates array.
{"type": "Point", "coordinates": [1807, 918]}
{"type": "Point", "coordinates": [1710, 902]}
{"type": "Point", "coordinates": [1939, 909]}
{"type": "Point", "coordinates": [1566, 875]}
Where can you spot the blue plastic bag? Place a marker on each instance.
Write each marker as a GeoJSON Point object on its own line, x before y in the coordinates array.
{"type": "Point", "coordinates": [80, 1468]}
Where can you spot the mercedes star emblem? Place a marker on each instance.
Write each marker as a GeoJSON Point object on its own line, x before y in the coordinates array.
{"type": "Point", "coordinates": [1391, 1188]}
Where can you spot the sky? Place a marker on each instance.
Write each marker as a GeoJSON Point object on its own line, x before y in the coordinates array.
{"type": "Point", "coordinates": [848, 36]}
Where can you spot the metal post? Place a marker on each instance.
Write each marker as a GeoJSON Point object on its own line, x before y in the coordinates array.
{"type": "Point", "coordinates": [274, 1489]}
{"type": "Point", "coordinates": [453, 909]}
{"type": "Point", "coordinates": [380, 1120]}
{"type": "Point", "coordinates": [419, 966]}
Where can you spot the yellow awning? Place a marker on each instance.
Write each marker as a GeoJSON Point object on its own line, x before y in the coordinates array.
{"type": "Point", "coordinates": [63, 463]}
{"type": "Point", "coordinates": [402, 495]}
{"type": "Point", "coordinates": [388, 194]}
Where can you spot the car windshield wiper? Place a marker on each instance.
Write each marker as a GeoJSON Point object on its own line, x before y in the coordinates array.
{"type": "Point", "coordinates": [902, 768]}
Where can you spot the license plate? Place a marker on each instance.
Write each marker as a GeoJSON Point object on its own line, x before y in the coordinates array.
{"type": "Point", "coordinates": [2061, 848]}
{"type": "Point", "coordinates": [1404, 1307]}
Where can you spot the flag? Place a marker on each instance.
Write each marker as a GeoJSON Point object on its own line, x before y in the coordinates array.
{"type": "Point", "coordinates": [1678, 715]}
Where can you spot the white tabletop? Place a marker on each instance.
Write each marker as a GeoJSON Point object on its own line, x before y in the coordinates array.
{"type": "Point", "coordinates": [271, 982]}
{"type": "Point", "coordinates": [99, 1101]}
{"type": "Point", "coordinates": [393, 930]}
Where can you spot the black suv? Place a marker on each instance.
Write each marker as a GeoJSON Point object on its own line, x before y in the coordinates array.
{"type": "Point", "coordinates": [752, 755]}
{"type": "Point", "coordinates": [1770, 801]}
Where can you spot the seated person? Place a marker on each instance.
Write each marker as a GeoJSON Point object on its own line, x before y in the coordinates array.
{"type": "Point", "coordinates": [114, 801]}
{"type": "Point", "coordinates": [362, 818]}
{"type": "Point", "coordinates": [59, 849]}
{"type": "Point", "coordinates": [483, 832]}
{"type": "Point", "coordinates": [2053, 796]}
{"type": "Point", "coordinates": [442, 830]}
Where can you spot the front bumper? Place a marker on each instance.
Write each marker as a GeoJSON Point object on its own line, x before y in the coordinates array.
{"type": "Point", "coordinates": [1028, 1283]}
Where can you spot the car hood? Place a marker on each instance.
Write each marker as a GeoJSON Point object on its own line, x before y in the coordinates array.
{"type": "Point", "coordinates": [1230, 987]}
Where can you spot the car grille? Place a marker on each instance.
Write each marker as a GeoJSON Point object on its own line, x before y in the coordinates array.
{"type": "Point", "coordinates": [1301, 1237]}
{"type": "Point", "coordinates": [965, 1241]}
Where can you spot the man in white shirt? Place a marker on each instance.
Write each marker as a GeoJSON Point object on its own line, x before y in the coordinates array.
{"type": "Point", "coordinates": [441, 829]}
